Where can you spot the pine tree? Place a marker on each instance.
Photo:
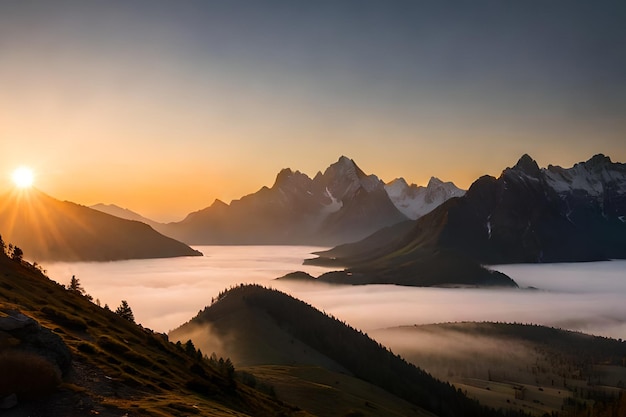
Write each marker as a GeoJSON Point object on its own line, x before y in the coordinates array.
{"type": "Point", "coordinates": [125, 311]}
{"type": "Point", "coordinates": [17, 254]}
{"type": "Point", "coordinates": [75, 286]}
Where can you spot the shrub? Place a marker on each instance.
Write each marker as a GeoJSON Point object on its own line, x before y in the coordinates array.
{"type": "Point", "coordinates": [86, 348]}
{"type": "Point", "coordinates": [28, 375]}
{"type": "Point", "coordinates": [111, 345]}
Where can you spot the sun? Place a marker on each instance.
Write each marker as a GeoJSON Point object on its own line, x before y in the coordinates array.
{"type": "Point", "coordinates": [23, 177]}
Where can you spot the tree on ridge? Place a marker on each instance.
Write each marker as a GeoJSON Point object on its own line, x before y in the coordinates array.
{"type": "Point", "coordinates": [125, 311]}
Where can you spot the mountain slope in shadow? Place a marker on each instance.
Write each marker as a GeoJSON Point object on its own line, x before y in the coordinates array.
{"type": "Point", "coordinates": [47, 229]}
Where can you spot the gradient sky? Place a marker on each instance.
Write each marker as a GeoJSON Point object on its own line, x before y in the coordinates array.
{"type": "Point", "coordinates": [163, 106]}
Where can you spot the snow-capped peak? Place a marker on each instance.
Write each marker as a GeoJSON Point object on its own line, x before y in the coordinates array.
{"type": "Point", "coordinates": [396, 188]}
{"type": "Point", "coordinates": [415, 201]}
{"type": "Point", "coordinates": [591, 177]}
{"type": "Point", "coordinates": [344, 178]}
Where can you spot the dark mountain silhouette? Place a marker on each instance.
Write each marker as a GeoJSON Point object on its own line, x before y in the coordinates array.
{"type": "Point", "coordinates": [270, 327]}
{"type": "Point", "coordinates": [340, 205]}
{"type": "Point", "coordinates": [528, 214]}
{"type": "Point", "coordinates": [48, 229]}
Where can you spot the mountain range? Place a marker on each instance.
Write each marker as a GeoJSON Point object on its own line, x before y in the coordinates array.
{"type": "Point", "coordinates": [47, 229]}
{"type": "Point", "coordinates": [525, 215]}
{"type": "Point", "coordinates": [342, 204]}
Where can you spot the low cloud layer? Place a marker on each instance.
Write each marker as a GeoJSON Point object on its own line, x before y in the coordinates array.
{"type": "Point", "coordinates": [164, 293]}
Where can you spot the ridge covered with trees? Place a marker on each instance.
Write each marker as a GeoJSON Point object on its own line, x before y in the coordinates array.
{"type": "Point", "coordinates": [357, 353]}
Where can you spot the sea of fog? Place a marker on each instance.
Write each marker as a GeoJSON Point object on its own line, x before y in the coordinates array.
{"type": "Point", "coordinates": [164, 293]}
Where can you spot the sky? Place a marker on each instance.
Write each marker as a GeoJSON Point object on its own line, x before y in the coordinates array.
{"type": "Point", "coordinates": [162, 107]}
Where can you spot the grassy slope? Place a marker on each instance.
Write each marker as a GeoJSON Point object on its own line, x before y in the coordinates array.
{"type": "Point", "coordinates": [293, 333]}
{"type": "Point", "coordinates": [493, 362]}
{"type": "Point", "coordinates": [119, 367]}
{"type": "Point", "coordinates": [342, 394]}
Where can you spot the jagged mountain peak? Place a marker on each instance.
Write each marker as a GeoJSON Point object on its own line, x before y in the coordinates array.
{"type": "Point", "coordinates": [345, 160]}
{"type": "Point", "coordinates": [345, 178]}
{"type": "Point", "coordinates": [396, 186]}
{"type": "Point", "coordinates": [287, 175]}
{"type": "Point", "coordinates": [527, 165]}
{"type": "Point", "coordinates": [434, 182]}
{"type": "Point", "coordinates": [218, 203]}
{"type": "Point", "coordinates": [344, 166]}
{"type": "Point", "coordinates": [598, 161]}
{"type": "Point", "coordinates": [399, 180]}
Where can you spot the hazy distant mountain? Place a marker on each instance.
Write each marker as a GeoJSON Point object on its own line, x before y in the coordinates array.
{"type": "Point", "coordinates": [273, 334]}
{"type": "Point", "coordinates": [122, 213]}
{"type": "Point", "coordinates": [49, 229]}
{"type": "Point", "coordinates": [528, 214]}
{"type": "Point", "coordinates": [340, 205]}
{"type": "Point", "coordinates": [415, 201]}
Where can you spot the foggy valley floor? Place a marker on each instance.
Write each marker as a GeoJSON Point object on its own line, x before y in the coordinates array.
{"type": "Point", "coordinates": [164, 293]}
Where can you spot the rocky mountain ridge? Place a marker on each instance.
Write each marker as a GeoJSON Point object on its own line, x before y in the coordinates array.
{"type": "Point", "coordinates": [341, 204]}
{"type": "Point", "coordinates": [527, 214]}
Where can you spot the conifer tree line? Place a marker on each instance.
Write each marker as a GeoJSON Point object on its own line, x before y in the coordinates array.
{"type": "Point", "coordinates": [12, 251]}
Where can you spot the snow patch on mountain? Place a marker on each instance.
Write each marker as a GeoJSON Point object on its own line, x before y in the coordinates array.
{"type": "Point", "coordinates": [415, 201]}
{"type": "Point", "coordinates": [335, 205]}
{"type": "Point", "coordinates": [591, 177]}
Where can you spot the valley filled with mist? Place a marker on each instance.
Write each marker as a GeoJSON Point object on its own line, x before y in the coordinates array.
{"type": "Point", "coordinates": [164, 293]}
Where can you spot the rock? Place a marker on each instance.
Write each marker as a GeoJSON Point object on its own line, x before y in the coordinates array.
{"type": "Point", "coordinates": [15, 320]}
{"type": "Point", "coordinates": [36, 339]}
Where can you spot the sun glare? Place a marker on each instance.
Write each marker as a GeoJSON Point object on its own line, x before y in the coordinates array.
{"type": "Point", "coordinates": [23, 177]}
